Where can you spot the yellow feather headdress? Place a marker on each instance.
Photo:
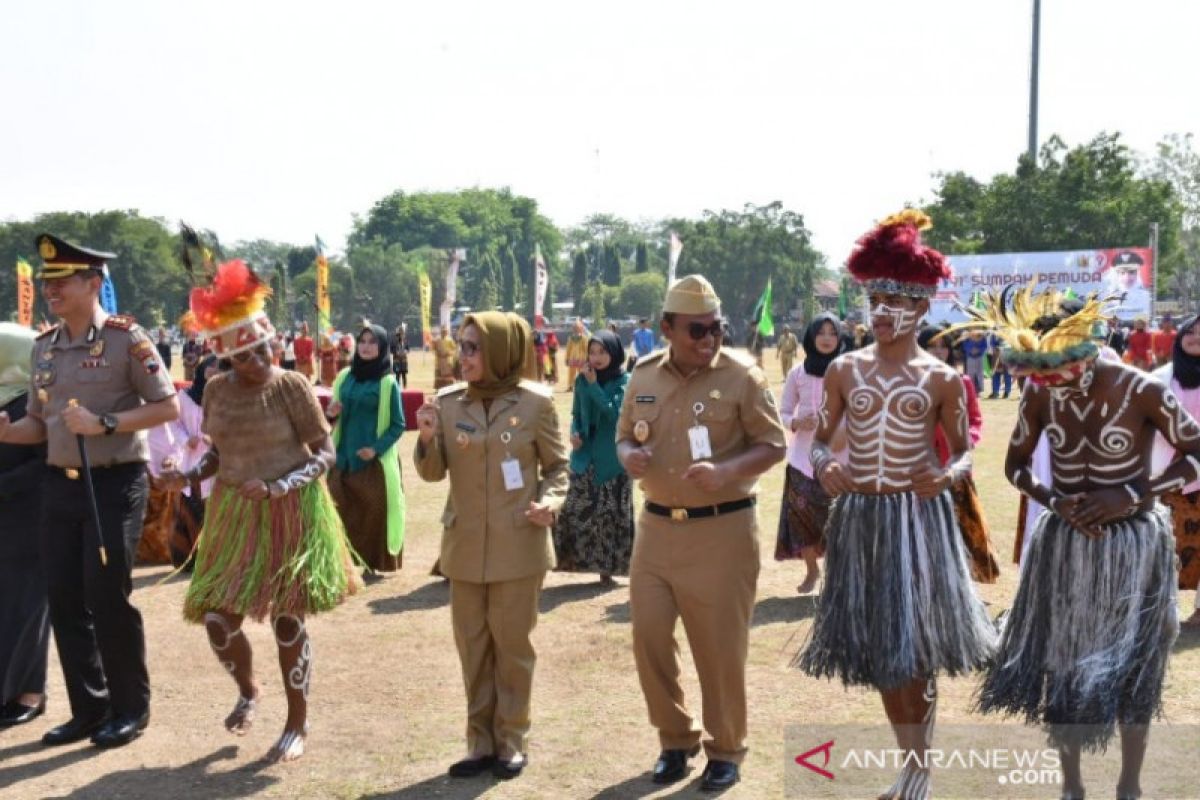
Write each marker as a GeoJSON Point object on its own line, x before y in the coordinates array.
{"type": "Point", "coordinates": [1034, 336]}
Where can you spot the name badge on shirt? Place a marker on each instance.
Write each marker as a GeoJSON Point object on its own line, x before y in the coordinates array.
{"type": "Point", "coordinates": [698, 438]}
{"type": "Point", "coordinates": [511, 468]}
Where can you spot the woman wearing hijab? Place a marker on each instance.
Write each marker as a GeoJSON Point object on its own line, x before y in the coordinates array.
{"type": "Point", "coordinates": [967, 508]}
{"type": "Point", "coordinates": [24, 622]}
{"type": "Point", "coordinates": [805, 503]}
{"type": "Point", "coordinates": [594, 532]}
{"type": "Point", "coordinates": [366, 482]}
{"type": "Point", "coordinates": [1183, 376]}
{"type": "Point", "coordinates": [497, 437]}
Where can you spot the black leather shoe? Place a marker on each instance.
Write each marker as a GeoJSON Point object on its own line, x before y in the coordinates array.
{"type": "Point", "coordinates": [15, 713]}
{"type": "Point", "coordinates": [73, 730]}
{"type": "Point", "coordinates": [719, 776]}
{"type": "Point", "coordinates": [121, 730]}
{"type": "Point", "coordinates": [672, 765]}
{"type": "Point", "coordinates": [508, 769]}
{"type": "Point", "coordinates": [470, 767]}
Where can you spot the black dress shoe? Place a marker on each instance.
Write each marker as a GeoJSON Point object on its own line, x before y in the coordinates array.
{"type": "Point", "coordinates": [672, 765]}
{"type": "Point", "coordinates": [121, 730]}
{"type": "Point", "coordinates": [73, 730]}
{"type": "Point", "coordinates": [470, 767]}
{"type": "Point", "coordinates": [719, 776]}
{"type": "Point", "coordinates": [507, 769]}
{"type": "Point", "coordinates": [15, 713]}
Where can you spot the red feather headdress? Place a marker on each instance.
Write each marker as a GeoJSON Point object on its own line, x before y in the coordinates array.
{"type": "Point", "coordinates": [230, 311]}
{"type": "Point", "coordinates": [891, 257]}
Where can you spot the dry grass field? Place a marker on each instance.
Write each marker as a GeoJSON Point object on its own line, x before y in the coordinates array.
{"type": "Point", "coordinates": [387, 708]}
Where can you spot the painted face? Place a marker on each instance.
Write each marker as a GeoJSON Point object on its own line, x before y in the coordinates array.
{"type": "Point", "coordinates": [893, 316]}
{"type": "Point", "coordinates": [254, 365]}
{"type": "Point", "coordinates": [1067, 380]}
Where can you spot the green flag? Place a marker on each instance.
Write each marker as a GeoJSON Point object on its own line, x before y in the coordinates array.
{"type": "Point", "coordinates": [843, 300]}
{"type": "Point", "coordinates": [766, 325]}
{"type": "Point", "coordinates": [1069, 294]}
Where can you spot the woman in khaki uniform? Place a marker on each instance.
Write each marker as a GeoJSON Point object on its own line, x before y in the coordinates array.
{"type": "Point", "coordinates": [498, 438]}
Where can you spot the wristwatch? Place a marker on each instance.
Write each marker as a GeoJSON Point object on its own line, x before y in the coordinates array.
{"type": "Point", "coordinates": [109, 421]}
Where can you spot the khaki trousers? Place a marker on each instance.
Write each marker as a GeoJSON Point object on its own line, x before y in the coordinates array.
{"type": "Point", "coordinates": [492, 625]}
{"type": "Point", "coordinates": [704, 571]}
{"type": "Point", "coordinates": [785, 363]}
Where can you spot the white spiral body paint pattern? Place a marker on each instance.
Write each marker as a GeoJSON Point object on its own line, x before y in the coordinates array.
{"type": "Point", "coordinates": [212, 618]}
{"type": "Point", "coordinates": [887, 423]}
{"type": "Point", "coordinates": [299, 676]}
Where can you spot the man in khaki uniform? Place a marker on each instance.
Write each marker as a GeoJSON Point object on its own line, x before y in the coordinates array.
{"type": "Point", "coordinates": [698, 426]}
{"type": "Point", "coordinates": [498, 439]}
{"type": "Point", "coordinates": [787, 346]}
{"type": "Point", "coordinates": [99, 377]}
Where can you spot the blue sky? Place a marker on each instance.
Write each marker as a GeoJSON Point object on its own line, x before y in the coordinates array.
{"type": "Point", "coordinates": [281, 120]}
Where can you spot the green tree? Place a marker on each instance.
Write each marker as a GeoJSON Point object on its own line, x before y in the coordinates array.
{"type": "Point", "coordinates": [738, 250]}
{"type": "Point", "coordinates": [1084, 197]}
{"type": "Point", "coordinates": [594, 300]}
{"type": "Point", "coordinates": [610, 261]}
{"type": "Point", "coordinates": [642, 295]}
{"type": "Point", "coordinates": [148, 277]}
{"type": "Point", "coordinates": [642, 259]}
{"type": "Point", "coordinates": [1179, 165]}
{"type": "Point", "coordinates": [579, 279]}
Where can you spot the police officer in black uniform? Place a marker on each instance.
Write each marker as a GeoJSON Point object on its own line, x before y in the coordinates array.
{"type": "Point", "coordinates": [99, 377]}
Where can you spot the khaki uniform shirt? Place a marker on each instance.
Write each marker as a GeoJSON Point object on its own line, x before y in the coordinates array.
{"type": "Point", "coordinates": [113, 367]}
{"type": "Point", "coordinates": [730, 397]}
{"type": "Point", "coordinates": [487, 537]}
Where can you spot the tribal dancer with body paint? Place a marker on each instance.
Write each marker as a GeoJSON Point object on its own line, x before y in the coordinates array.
{"type": "Point", "coordinates": [1085, 647]}
{"type": "Point", "coordinates": [272, 542]}
{"type": "Point", "coordinates": [898, 605]}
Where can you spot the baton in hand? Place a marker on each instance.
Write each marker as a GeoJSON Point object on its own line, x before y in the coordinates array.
{"type": "Point", "coordinates": [91, 490]}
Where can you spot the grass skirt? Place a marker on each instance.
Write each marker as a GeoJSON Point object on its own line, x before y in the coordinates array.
{"type": "Point", "coordinates": [897, 601]}
{"type": "Point", "coordinates": [258, 557]}
{"type": "Point", "coordinates": [1086, 644]}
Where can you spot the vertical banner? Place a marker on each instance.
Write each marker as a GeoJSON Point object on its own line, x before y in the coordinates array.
{"type": "Point", "coordinates": [322, 288]}
{"type": "Point", "coordinates": [108, 294]}
{"type": "Point", "coordinates": [543, 280]}
{"type": "Point", "coordinates": [426, 308]}
{"type": "Point", "coordinates": [673, 254]}
{"type": "Point", "coordinates": [447, 308]}
{"type": "Point", "coordinates": [24, 293]}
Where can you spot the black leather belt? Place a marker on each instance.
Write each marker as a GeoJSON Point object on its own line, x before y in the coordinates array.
{"type": "Point", "coordinates": [683, 514]}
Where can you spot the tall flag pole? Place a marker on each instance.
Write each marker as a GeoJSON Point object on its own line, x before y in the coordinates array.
{"type": "Point", "coordinates": [426, 308]}
{"type": "Point", "coordinates": [24, 293]}
{"type": "Point", "coordinates": [543, 280]}
{"type": "Point", "coordinates": [323, 325]}
{"type": "Point", "coordinates": [673, 254]}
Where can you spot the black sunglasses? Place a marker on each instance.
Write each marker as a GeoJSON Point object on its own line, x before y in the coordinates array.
{"type": "Point", "coordinates": [698, 330]}
{"type": "Point", "coordinates": [468, 348]}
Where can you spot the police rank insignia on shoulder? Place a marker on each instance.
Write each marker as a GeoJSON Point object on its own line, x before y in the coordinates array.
{"type": "Point", "coordinates": [121, 322]}
{"type": "Point", "coordinates": [144, 352]}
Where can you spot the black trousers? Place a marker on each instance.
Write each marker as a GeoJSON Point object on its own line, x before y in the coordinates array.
{"type": "Point", "coordinates": [99, 633]}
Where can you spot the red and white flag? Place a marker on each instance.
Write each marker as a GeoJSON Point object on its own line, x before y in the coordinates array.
{"type": "Point", "coordinates": [673, 256]}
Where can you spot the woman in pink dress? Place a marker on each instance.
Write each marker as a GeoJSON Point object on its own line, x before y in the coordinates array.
{"type": "Point", "coordinates": [805, 504]}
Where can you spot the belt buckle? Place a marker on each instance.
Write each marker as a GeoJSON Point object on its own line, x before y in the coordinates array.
{"type": "Point", "coordinates": [679, 514]}
{"type": "Point", "coordinates": [71, 473]}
